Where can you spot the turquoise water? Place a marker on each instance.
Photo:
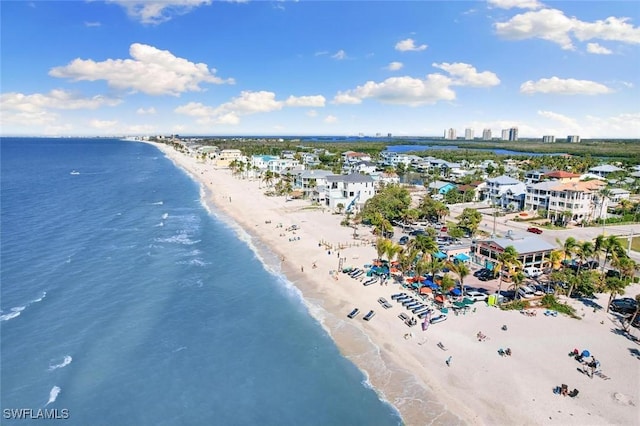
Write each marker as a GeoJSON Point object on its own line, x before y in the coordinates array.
{"type": "Point", "coordinates": [124, 301]}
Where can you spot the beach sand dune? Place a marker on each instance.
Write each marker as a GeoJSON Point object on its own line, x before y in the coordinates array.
{"type": "Point", "coordinates": [478, 386]}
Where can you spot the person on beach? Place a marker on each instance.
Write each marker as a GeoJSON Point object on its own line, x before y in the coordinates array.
{"type": "Point", "coordinates": [448, 361]}
{"type": "Point", "coordinates": [301, 268]}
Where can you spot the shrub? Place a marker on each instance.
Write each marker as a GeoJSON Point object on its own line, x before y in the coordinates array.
{"type": "Point", "coordinates": [549, 301]}
{"type": "Point", "coordinates": [515, 305]}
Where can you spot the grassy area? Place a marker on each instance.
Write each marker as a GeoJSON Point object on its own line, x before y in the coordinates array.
{"type": "Point", "coordinates": [635, 243]}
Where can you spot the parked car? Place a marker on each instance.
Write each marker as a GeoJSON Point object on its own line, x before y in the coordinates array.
{"type": "Point", "coordinates": [624, 306]}
{"type": "Point", "coordinates": [592, 264]}
{"type": "Point", "coordinates": [480, 272]}
{"type": "Point", "coordinates": [532, 272]}
{"type": "Point", "coordinates": [476, 296]}
{"type": "Point", "coordinates": [525, 292]}
{"type": "Point", "coordinates": [418, 232]}
{"type": "Point", "coordinates": [534, 230]}
{"type": "Point", "coordinates": [443, 229]}
{"type": "Point", "coordinates": [612, 273]}
{"type": "Point", "coordinates": [538, 290]}
{"type": "Point", "coordinates": [403, 240]}
{"type": "Point", "coordinates": [487, 276]}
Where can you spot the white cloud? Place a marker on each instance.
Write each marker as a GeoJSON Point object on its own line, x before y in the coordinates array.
{"type": "Point", "coordinates": [547, 24]}
{"type": "Point", "coordinates": [520, 4]}
{"type": "Point", "coordinates": [552, 25]}
{"type": "Point", "coordinates": [330, 119]}
{"type": "Point", "coordinates": [567, 121]}
{"type": "Point", "coordinates": [246, 104]}
{"type": "Point", "coordinates": [312, 113]}
{"type": "Point", "coordinates": [103, 124]}
{"type": "Point", "coordinates": [55, 99]}
{"type": "Point", "coordinates": [612, 28]}
{"type": "Point", "coordinates": [597, 49]}
{"type": "Point", "coordinates": [567, 86]}
{"type": "Point", "coordinates": [408, 45]}
{"type": "Point", "coordinates": [92, 24]}
{"type": "Point", "coordinates": [401, 90]}
{"type": "Point", "coordinates": [157, 12]}
{"type": "Point", "coordinates": [151, 71]}
{"type": "Point", "coordinates": [142, 111]}
{"type": "Point", "coordinates": [305, 101]}
{"type": "Point", "coordinates": [394, 66]}
{"type": "Point", "coordinates": [340, 55]}
{"type": "Point", "coordinates": [466, 75]}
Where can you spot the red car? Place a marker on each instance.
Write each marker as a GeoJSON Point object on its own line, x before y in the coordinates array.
{"type": "Point", "coordinates": [534, 230]}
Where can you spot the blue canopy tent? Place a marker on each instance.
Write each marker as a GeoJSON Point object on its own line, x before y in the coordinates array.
{"type": "Point", "coordinates": [461, 257]}
{"type": "Point", "coordinates": [440, 255]}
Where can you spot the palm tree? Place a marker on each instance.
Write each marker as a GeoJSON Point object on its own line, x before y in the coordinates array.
{"type": "Point", "coordinates": [434, 266]}
{"type": "Point", "coordinates": [507, 260]}
{"type": "Point", "coordinates": [406, 257]}
{"type": "Point", "coordinates": [555, 259]}
{"type": "Point", "coordinates": [635, 314]}
{"type": "Point", "coordinates": [517, 278]}
{"type": "Point", "coordinates": [382, 245]}
{"type": "Point", "coordinates": [447, 284]}
{"type": "Point", "coordinates": [598, 246]}
{"type": "Point", "coordinates": [613, 286]}
{"type": "Point", "coordinates": [627, 268]}
{"type": "Point", "coordinates": [268, 177]}
{"type": "Point", "coordinates": [425, 245]}
{"type": "Point", "coordinates": [612, 248]}
{"type": "Point", "coordinates": [584, 250]}
{"type": "Point", "coordinates": [392, 249]}
{"type": "Point", "coordinates": [568, 247]}
{"type": "Point", "coordinates": [461, 270]}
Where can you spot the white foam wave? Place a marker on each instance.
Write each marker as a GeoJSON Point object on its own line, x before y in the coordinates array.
{"type": "Point", "coordinates": [158, 203]}
{"type": "Point", "coordinates": [181, 348]}
{"type": "Point", "coordinates": [178, 239]}
{"type": "Point", "coordinates": [39, 299]}
{"type": "Point", "coordinates": [15, 312]}
{"type": "Point", "coordinates": [165, 215]}
{"type": "Point", "coordinates": [66, 361]}
{"type": "Point", "coordinates": [194, 262]}
{"type": "Point", "coordinates": [53, 395]}
{"type": "Point", "coordinates": [159, 224]}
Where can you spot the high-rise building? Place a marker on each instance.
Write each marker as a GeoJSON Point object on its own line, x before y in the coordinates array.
{"type": "Point", "coordinates": [513, 134]}
{"type": "Point", "coordinates": [450, 134]}
{"type": "Point", "coordinates": [573, 138]}
{"type": "Point", "coordinates": [505, 134]}
{"type": "Point", "coordinates": [468, 134]}
{"type": "Point", "coordinates": [486, 135]}
{"type": "Point", "coordinates": [548, 139]}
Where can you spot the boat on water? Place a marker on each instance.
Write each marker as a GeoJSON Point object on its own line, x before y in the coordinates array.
{"type": "Point", "coordinates": [74, 172]}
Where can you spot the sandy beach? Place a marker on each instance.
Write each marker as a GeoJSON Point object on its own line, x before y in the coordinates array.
{"type": "Point", "coordinates": [478, 386]}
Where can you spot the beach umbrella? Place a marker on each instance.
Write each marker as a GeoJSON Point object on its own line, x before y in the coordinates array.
{"type": "Point", "coordinates": [585, 354]}
{"type": "Point", "coordinates": [455, 291]}
{"type": "Point", "coordinates": [426, 290]}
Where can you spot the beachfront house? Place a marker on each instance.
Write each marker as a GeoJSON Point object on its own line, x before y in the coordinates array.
{"type": "Point", "coordinates": [506, 192]}
{"type": "Point", "coordinates": [355, 157]}
{"type": "Point", "coordinates": [364, 167]}
{"type": "Point", "coordinates": [308, 181]}
{"type": "Point", "coordinates": [441, 187]}
{"type": "Point", "coordinates": [261, 162]}
{"type": "Point", "coordinates": [566, 202]}
{"type": "Point", "coordinates": [605, 170]}
{"type": "Point", "coordinates": [618, 194]}
{"type": "Point", "coordinates": [385, 178]}
{"type": "Point", "coordinates": [309, 159]}
{"type": "Point", "coordinates": [226, 156]}
{"type": "Point", "coordinates": [532, 251]}
{"type": "Point", "coordinates": [349, 191]}
{"type": "Point", "coordinates": [281, 165]}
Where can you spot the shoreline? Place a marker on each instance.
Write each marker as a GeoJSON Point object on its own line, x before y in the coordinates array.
{"type": "Point", "coordinates": [409, 374]}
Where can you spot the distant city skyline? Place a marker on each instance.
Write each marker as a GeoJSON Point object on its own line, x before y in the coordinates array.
{"type": "Point", "coordinates": [203, 67]}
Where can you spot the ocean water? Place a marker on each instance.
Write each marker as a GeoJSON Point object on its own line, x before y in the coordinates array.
{"type": "Point", "coordinates": [125, 302]}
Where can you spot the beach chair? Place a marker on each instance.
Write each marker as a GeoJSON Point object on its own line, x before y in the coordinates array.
{"type": "Point", "coordinates": [574, 393]}
{"type": "Point", "coordinates": [564, 390]}
{"type": "Point", "coordinates": [501, 352]}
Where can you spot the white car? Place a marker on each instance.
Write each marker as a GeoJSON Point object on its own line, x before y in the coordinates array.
{"type": "Point", "coordinates": [526, 292]}
{"type": "Point", "coordinates": [476, 296]}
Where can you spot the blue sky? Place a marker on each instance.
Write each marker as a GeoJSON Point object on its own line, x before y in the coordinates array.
{"type": "Point", "coordinates": [204, 67]}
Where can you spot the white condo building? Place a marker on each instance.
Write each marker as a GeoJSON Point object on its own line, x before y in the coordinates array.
{"type": "Point", "coordinates": [468, 134]}
{"type": "Point", "coordinates": [486, 135]}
